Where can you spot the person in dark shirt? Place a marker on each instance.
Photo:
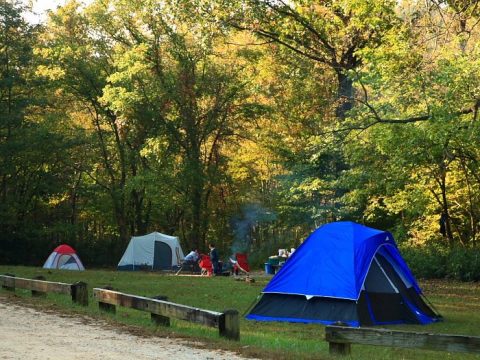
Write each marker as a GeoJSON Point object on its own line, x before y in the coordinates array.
{"type": "Point", "coordinates": [214, 258]}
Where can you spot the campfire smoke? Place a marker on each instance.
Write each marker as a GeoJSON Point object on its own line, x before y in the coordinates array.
{"type": "Point", "coordinates": [244, 225]}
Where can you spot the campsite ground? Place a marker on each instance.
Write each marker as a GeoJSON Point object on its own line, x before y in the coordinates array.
{"type": "Point", "coordinates": [26, 333]}
{"type": "Point", "coordinates": [458, 302]}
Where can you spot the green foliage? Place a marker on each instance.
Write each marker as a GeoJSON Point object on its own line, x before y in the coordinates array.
{"type": "Point", "coordinates": [464, 264]}
{"type": "Point", "coordinates": [117, 119]}
{"type": "Point", "coordinates": [36, 150]}
{"type": "Point", "coordinates": [428, 262]}
{"type": "Point", "coordinates": [434, 262]}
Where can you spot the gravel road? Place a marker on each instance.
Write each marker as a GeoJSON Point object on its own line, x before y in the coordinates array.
{"type": "Point", "coordinates": [26, 333]}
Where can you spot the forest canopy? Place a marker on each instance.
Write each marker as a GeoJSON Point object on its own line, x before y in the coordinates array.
{"type": "Point", "coordinates": [247, 123]}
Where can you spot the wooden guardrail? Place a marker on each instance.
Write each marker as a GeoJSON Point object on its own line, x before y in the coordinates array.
{"type": "Point", "coordinates": [340, 338]}
{"type": "Point", "coordinates": [39, 287]}
{"type": "Point", "coordinates": [162, 310]}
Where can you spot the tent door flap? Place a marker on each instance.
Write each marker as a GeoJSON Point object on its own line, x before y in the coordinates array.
{"type": "Point", "coordinates": [162, 256]}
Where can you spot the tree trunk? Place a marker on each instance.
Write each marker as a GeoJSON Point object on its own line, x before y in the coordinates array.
{"type": "Point", "coordinates": [445, 209]}
{"type": "Point", "coordinates": [138, 208]}
{"type": "Point", "coordinates": [122, 226]}
{"type": "Point", "coordinates": [196, 195]}
{"type": "Point", "coordinates": [344, 94]}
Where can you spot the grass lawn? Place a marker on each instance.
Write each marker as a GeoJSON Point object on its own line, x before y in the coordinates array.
{"type": "Point", "coordinates": [459, 303]}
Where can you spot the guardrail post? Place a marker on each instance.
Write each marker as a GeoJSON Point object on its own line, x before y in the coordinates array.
{"type": "Point", "coordinates": [229, 325]}
{"type": "Point", "coordinates": [36, 293]}
{"type": "Point", "coordinates": [107, 307]}
{"type": "Point", "coordinates": [80, 293]}
{"type": "Point", "coordinates": [336, 347]}
{"type": "Point", "coordinates": [10, 287]}
{"type": "Point", "coordinates": [160, 319]}
{"type": "Point", "coordinates": [339, 348]}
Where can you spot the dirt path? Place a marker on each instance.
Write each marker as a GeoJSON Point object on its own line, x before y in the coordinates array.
{"type": "Point", "coordinates": [26, 333]}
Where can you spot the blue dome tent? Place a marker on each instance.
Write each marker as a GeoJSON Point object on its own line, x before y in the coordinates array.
{"type": "Point", "coordinates": [345, 272]}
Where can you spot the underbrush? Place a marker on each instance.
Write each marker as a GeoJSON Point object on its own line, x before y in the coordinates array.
{"type": "Point", "coordinates": [433, 262]}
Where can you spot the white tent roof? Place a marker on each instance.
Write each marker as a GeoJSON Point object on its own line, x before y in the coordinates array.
{"type": "Point", "coordinates": [140, 250]}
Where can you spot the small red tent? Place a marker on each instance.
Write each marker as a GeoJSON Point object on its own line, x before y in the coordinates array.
{"type": "Point", "coordinates": [63, 257]}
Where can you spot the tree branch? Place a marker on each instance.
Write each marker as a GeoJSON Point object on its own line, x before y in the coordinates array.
{"type": "Point", "coordinates": [276, 38]}
{"type": "Point", "coordinates": [289, 12]}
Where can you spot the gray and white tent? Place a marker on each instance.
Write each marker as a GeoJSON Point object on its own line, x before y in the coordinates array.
{"type": "Point", "coordinates": [154, 251]}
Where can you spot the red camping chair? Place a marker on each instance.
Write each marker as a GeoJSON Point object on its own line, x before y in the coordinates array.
{"type": "Point", "coordinates": [205, 265]}
{"type": "Point", "coordinates": [241, 264]}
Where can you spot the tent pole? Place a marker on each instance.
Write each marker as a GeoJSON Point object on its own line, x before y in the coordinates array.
{"type": "Point", "coordinates": [431, 305]}
{"type": "Point", "coordinates": [252, 304]}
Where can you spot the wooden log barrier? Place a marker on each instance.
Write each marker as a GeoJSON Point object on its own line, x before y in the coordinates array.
{"type": "Point", "coordinates": [77, 291]}
{"type": "Point", "coordinates": [7, 282]}
{"type": "Point", "coordinates": [227, 323]}
{"type": "Point", "coordinates": [159, 319]}
{"type": "Point", "coordinates": [340, 338]}
{"type": "Point", "coordinates": [107, 307]}
{"type": "Point", "coordinates": [36, 293]}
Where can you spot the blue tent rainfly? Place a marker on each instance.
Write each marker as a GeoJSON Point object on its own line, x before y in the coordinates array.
{"type": "Point", "coordinates": [345, 272]}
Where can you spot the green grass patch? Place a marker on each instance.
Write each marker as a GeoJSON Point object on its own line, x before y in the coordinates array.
{"type": "Point", "coordinates": [458, 302]}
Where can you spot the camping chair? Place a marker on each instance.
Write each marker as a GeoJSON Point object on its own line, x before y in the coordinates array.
{"type": "Point", "coordinates": [241, 264]}
{"type": "Point", "coordinates": [188, 266]}
{"type": "Point", "coordinates": [205, 265]}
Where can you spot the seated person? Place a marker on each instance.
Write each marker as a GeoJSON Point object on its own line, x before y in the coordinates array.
{"type": "Point", "coordinates": [191, 261]}
{"type": "Point", "coordinates": [193, 256]}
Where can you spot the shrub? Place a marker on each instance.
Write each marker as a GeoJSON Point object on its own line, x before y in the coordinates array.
{"type": "Point", "coordinates": [426, 262]}
{"type": "Point", "coordinates": [433, 262]}
{"type": "Point", "coordinates": [464, 264]}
